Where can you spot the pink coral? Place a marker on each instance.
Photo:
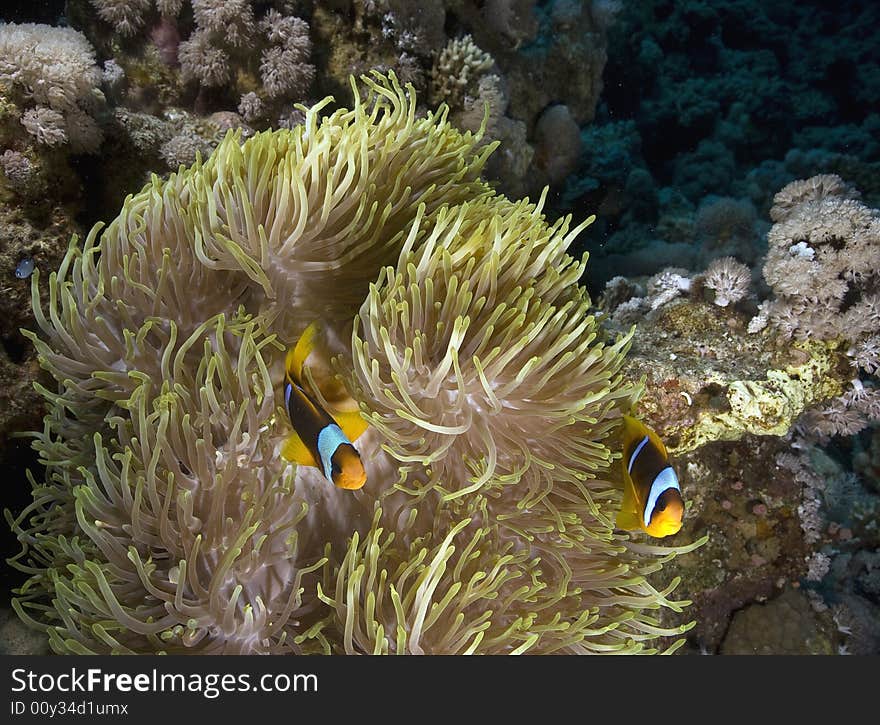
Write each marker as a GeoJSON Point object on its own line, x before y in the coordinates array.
{"type": "Point", "coordinates": [729, 279]}
{"type": "Point", "coordinates": [231, 19]}
{"type": "Point", "coordinates": [46, 125]}
{"type": "Point", "coordinates": [126, 16]}
{"type": "Point", "coordinates": [822, 260]}
{"type": "Point", "coordinates": [866, 354]}
{"type": "Point", "coordinates": [202, 60]}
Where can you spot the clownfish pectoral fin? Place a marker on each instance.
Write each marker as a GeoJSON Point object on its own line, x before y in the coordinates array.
{"type": "Point", "coordinates": [628, 517]}
{"type": "Point", "coordinates": [297, 355]}
{"type": "Point", "coordinates": [627, 520]}
{"type": "Point", "coordinates": [295, 451]}
{"type": "Point", "coordinates": [351, 422]}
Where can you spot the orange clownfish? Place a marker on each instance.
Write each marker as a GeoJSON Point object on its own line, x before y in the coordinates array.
{"type": "Point", "coordinates": [652, 498]}
{"type": "Point", "coordinates": [320, 439]}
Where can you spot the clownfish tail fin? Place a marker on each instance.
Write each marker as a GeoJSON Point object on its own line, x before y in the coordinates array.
{"type": "Point", "coordinates": [297, 355]}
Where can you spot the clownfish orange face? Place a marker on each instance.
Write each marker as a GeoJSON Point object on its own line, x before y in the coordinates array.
{"type": "Point", "coordinates": [652, 499]}
{"type": "Point", "coordinates": [346, 469]}
{"type": "Point", "coordinates": [667, 514]}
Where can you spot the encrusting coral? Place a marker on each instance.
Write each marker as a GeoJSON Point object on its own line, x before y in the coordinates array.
{"type": "Point", "coordinates": [167, 520]}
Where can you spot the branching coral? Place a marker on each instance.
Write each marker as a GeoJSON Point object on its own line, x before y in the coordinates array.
{"type": "Point", "coordinates": [457, 69]}
{"type": "Point", "coordinates": [822, 261]}
{"type": "Point", "coordinates": [167, 520]}
{"type": "Point", "coordinates": [228, 38]}
{"type": "Point", "coordinates": [53, 75]}
{"type": "Point", "coordinates": [729, 279]}
{"type": "Point", "coordinates": [126, 16]}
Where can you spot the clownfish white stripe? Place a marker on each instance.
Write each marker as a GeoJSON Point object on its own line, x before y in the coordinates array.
{"type": "Point", "coordinates": [665, 480]}
{"type": "Point", "coordinates": [632, 458]}
{"type": "Point", "coordinates": [329, 439]}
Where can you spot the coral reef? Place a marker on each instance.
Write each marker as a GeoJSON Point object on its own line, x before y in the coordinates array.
{"type": "Point", "coordinates": [744, 409]}
{"type": "Point", "coordinates": [786, 625]}
{"type": "Point", "coordinates": [522, 60]}
{"type": "Point", "coordinates": [457, 70]}
{"type": "Point", "coordinates": [202, 55]}
{"type": "Point", "coordinates": [167, 521]}
{"type": "Point", "coordinates": [26, 245]}
{"type": "Point", "coordinates": [706, 381]}
{"type": "Point", "coordinates": [821, 267]}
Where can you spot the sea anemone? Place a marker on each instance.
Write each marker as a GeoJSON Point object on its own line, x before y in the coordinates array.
{"type": "Point", "coordinates": [167, 521]}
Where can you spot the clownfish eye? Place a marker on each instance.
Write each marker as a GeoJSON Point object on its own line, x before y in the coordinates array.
{"type": "Point", "coordinates": [335, 468]}
{"type": "Point", "coordinates": [661, 506]}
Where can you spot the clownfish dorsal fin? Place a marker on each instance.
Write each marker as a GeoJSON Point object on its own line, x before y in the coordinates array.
{"type": "Point", "coordinates": [655, 439]}
{"type": "Point", "coordinates": [351, 422]}
{"type": "Point", "coordinates": [297, 355]}
{"type": "Point", "coordinates": [634, 430]}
